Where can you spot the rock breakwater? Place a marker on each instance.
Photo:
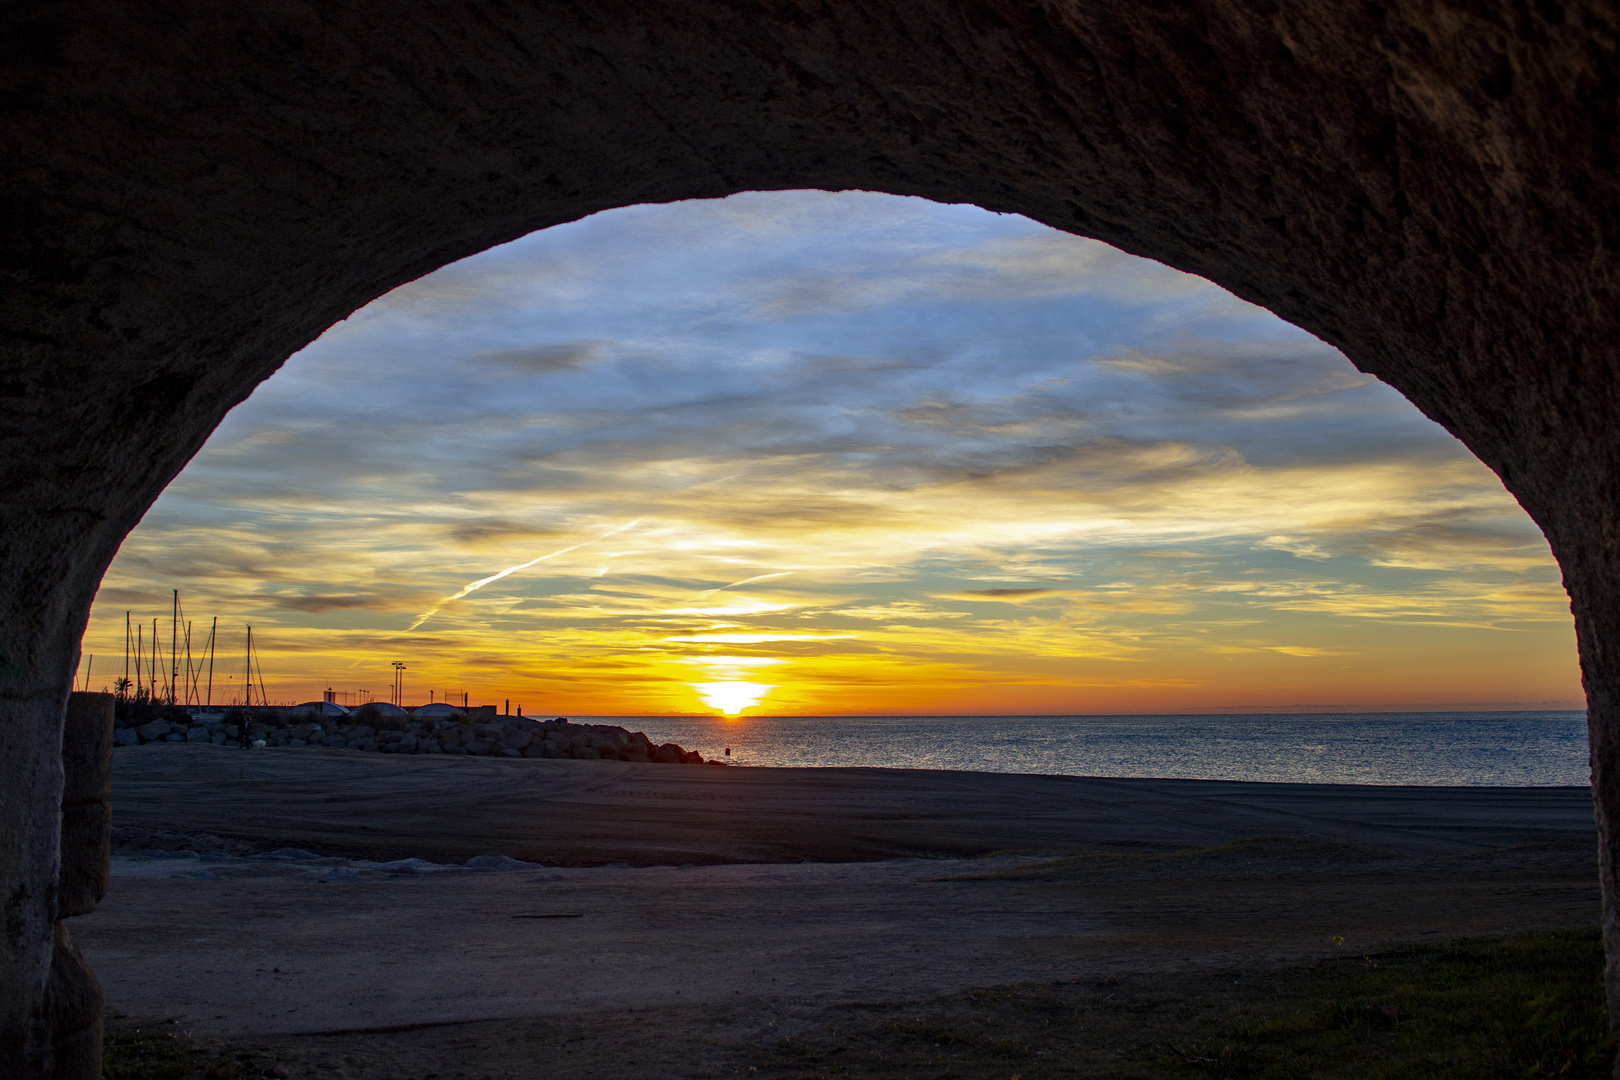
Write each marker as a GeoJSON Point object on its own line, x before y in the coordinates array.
{"type": "Point", "coordinates": [502, 736]}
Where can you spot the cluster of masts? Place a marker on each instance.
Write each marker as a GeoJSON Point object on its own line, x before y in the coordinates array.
{"type": "Point", "coordinates": [178, 679]}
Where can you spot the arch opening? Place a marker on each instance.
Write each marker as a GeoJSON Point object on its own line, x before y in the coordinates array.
{"type": "Point", "coordinates": [967, 458]}
{"type": "Point", "coordinates": [810, 453]}
{"type": "Point", "coordinates": [199, 197]}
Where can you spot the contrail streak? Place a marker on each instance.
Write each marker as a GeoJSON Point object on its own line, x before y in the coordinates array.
{"type": "Point", "coordinates": [744, 581]}
{"type": "Point", "coordinates": [481, 582]}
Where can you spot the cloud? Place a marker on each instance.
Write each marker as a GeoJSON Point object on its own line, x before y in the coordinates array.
{"type": "Point", "coordinates": [753, 639]}
{"type": "Point", "coordinates": [1006, 596]}
{"type": "Point", "coordinates": [899, 610]}
{"type": "Point", "coordinates": [482, 531]}
{"type": "Point", "coordinates": [1303, 549]}
{"type": "Point", "coordinates": [314, 605]}
{"type": "Point", "coordinates": [474, 586]}
{"type": "Point", "coordinates": [544, 359]}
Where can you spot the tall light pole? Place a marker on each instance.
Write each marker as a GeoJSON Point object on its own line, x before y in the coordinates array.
{"type": "Point", "coordinates": [399, 684]}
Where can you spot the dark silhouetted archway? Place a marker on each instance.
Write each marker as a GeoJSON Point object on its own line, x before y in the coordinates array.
{"type": "Point", "coordinates": [192, 192]}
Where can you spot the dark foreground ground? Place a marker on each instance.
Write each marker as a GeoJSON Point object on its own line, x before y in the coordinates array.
{"type": "Point", "coordinates": [708, 922]}
{"type": "Point", "coordinates": [1523, 1005]}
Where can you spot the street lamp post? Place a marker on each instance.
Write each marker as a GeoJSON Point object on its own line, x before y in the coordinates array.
{"type": "Point", "coordinates": [399, 684]}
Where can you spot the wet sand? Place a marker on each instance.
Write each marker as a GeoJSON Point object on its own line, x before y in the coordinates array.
{"type": "Point", "coordinates": [749, 903]}
{"type": "Point", "coordinates": [583, 813]}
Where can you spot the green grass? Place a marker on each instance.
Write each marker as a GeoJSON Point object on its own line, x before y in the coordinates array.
{"type": "Point", "coordinates": [1525, 1006]}
{"type": "Point", "coordinates": [165, 1053]}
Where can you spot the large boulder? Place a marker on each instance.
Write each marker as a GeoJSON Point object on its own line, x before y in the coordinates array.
{"type": "Point", "coordinates": [156, 729]}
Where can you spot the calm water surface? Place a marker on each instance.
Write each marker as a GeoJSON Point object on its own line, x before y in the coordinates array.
{"type": "Point", "coordinates": [1476, 748]}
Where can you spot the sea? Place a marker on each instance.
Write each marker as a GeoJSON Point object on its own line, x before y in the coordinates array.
{"type": "Point", "coordinates": [1492, 749]}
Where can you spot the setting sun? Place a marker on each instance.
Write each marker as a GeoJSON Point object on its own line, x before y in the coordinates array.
{"type": "Point", "coordinates": [731, 698]}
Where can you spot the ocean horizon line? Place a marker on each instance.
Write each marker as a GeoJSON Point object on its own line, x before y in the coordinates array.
{"type": "Point", "coordinates": [1276, 710]}
{"type": "Point", "coordinates": [1469, 747]}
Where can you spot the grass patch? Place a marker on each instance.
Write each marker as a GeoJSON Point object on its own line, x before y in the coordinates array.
{"type": "Point", "coordinates": [1525, 1006]}
{"type": "Point", "coordinates": [166, 1053]}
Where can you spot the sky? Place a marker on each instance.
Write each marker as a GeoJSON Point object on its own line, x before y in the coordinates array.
{"type": "Point", "coordinates": [812, 453]}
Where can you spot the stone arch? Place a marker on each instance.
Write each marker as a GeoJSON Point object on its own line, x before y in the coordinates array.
{"type": "Point", "coordinates": [193, 192]}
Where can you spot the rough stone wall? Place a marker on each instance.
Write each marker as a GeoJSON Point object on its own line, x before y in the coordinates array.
{"type": "Point", "coordinates": [193, 191]}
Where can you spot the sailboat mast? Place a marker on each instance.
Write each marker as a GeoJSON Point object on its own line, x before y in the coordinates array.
{"type": "Point", "coordinates": [191, 674]}
{"type": "Point", "coordinates": [212, 630]}
{"type": "Point", "coordinates": [125, 691]}
{"type": "Point", "coordinates": [264, 698]}
{"type": "Point", "coordinates": [140, 660]}
{"type": "Point", "coordinates": [174, 648]}
{"type": "Point", "coordinates": [247, 670]}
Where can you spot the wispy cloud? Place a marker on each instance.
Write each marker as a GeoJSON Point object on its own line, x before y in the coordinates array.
{"type": "Point", "coordinates": [474, 586]}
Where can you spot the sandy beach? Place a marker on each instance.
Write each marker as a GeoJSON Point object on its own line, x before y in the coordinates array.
{"type": "Point", "coordinates": [679, 914]}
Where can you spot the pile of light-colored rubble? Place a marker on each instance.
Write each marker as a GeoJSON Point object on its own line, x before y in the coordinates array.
{"type": "Point", "coordinates": [506, 736]}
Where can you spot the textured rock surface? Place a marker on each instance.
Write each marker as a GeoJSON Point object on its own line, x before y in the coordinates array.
{"type": "Point", "coordinates": [76, 1009]}
{"type": "Point", "coordinates": [513, 736]}
{"type": "Point", "coordinates": [75, 1005]}
{"type": "Point", "coordinates": [192, 192]}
